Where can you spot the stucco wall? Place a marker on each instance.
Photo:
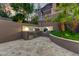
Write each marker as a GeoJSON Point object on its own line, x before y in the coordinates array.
{"type": "Point", "coordinates": [9, 30]}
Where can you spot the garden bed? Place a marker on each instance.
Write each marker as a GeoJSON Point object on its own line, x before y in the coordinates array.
{"type": "Point", "coordinates": [67, 35]}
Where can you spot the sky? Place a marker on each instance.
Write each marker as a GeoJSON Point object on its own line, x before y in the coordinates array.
{"type": "Point", "coordinates": [41, 5]}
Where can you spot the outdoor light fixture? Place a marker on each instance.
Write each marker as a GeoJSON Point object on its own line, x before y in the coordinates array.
{"type": "Point", "coordinates": [50, 28]}
{"type": "Point", "coordinates": [25, 28]}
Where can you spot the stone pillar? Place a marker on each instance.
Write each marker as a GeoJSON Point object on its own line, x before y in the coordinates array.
{"type": "Point", "coordinates": [26, 35]}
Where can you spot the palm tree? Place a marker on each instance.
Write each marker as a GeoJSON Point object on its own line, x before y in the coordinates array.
{"type": "Point", "coordinates": [61, 18]}
{"type": "Point", "coordinates": [69, 11]}
{"type": "Point", "coordinates": [74, 10]}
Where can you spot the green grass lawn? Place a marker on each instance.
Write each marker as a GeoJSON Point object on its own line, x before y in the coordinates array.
{"type": "Point", "coordinates": [66, 34]}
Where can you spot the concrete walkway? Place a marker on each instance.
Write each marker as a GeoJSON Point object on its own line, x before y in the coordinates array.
{"type": "Point", "coordinates": [41, 46]}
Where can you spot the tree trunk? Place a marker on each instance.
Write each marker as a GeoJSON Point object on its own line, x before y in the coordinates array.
{"type": "Point", "coordinates": [62, 26]}
{"type": "Point", "coordinates": [74, 24]}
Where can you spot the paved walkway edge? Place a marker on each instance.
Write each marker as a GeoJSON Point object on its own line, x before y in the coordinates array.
{"type": "Point", "coordinates": [64, 38]}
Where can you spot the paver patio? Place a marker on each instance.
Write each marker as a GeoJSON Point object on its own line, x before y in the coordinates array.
{"type": "Point", "coordinates": [41, 46]}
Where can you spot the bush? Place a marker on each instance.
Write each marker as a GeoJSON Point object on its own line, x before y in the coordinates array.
{"type": "Point", "coordinates": [67, 35]}
{"type": "Point", "coordinates": [19, 18]}
{"type": "Point", "coordinates": [3, 14]}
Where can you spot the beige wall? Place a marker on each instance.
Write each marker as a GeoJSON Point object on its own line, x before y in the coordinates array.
{"type": "Point", "coordinates": [9, 31]}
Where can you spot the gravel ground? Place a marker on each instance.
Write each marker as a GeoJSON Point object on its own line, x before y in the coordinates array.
{"type": "Point", "coordinates": [41, 46]}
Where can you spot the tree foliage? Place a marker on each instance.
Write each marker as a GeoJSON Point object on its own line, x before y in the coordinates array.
{"type": "Point", "coordinates": [70, 13]}
{"type": "Point", "coordinates": [2, 13]}
{"type": "Point", "coordinates": [19, 18]}
{"type": "Point", "coordinates": [23, 8]}
{"type": "Point", "coordinates": [35, 20]}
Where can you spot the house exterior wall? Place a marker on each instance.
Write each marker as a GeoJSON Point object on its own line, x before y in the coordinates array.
{"type": "Point", "coordinates": [53, 9]}
{"type": "Point", "coordinates": [48, 10]}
